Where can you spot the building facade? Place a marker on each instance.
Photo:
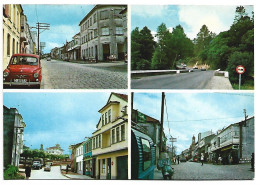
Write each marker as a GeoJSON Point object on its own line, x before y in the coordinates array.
{"type": "Point", "coordinates": [87, 158]}
{"type": "Point", "coordinates": [110, 140]}
{"type": "Point", "coordinates": [13, 131]}
{"type": "Point", "coordinates": [11, 31]}
{"type": "Point", "coordinates": [102, 33]}
{"type": "Point", "coordinates": [79, 159]}
{"type": "Point", "coordinates": [55, 150]}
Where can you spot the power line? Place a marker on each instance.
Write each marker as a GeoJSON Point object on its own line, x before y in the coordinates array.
{"type": "Point", "coordinates": [212, 119]}
{"type": "Point", "coordinates": [167, 117]}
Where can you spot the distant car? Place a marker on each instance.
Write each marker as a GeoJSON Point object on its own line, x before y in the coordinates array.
{"type": "Point", "coordinates": [191, 70]}
{"type": "Point", "coordinates": [203, 69]}
{"type": "Point", "coordinates": [47, 168]}
{"type": "Point", "coordinates": [49, 59]}
{"type": "Point", "coordinates": [37, 165]}
{"type": "Point", "coordinates": [184, 65]}
{"type": "Point", "coordinates": [183, 159]}
{"type": "Point", "coordinates": [195, 67]}
{"type": "Point", "coordinates": [23, 70]}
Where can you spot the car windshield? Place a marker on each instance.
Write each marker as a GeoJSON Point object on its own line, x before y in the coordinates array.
{"type": "Point", "coordinates": [24, 60]}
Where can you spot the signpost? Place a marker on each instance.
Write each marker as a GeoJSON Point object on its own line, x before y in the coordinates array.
{"type": "Point", "coordinates": [240, 70]}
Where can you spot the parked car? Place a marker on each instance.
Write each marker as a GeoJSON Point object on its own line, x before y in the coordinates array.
{"type": "Point", "coordinates": [47, 168]}
{"type": "Point", "coordinates": [23, 70]}
{"type": "Point", "coordinates": [203, 69]}
{"type": "Point", "coordinates": [183, 159]}
{"type": "Point", "coordinates": [48, 58]}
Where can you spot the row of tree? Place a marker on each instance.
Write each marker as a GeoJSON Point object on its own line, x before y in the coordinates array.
{"type": "Point", "coordinates": [223, 51]}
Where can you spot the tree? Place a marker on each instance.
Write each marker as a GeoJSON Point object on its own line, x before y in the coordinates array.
{"type": "Point", "coordinates": [135, 48]}
{"type": "Point", "coordinates": [240, 58]}
{"type": "Point", "coordinates": [161, 59]}
{"type": "Point", "coordinates": [147, 44]}
{"type": "Point", "coordinates": [202, 42]}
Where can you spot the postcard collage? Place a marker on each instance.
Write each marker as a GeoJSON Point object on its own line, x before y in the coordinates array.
{"type": "Point", "coordinates": [128, 92]}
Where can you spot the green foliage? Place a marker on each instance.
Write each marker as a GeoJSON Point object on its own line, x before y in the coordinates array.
{"type": "Point", "coordinates": [12, 173]}
{"type": "Point", "coordinates": [245, 59]}
{"type": "Point", "coordinates": [142, 48]}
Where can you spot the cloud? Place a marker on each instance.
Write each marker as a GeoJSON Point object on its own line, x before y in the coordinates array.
{"type": "Point", "coordinates": [149, 10]}
{"type": "Point", "coordinates": [217, 18]}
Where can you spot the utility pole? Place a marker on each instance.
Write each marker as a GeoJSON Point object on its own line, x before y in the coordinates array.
{"type": "Point", "coordinates": [41, 26]}
{"type": "Point", "coordinates": [161, 128]}
{"type": "Point", "coordinates": [241, 124]}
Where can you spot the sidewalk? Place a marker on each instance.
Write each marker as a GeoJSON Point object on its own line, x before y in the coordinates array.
{"type": "Point", "coordinates": [219, 82]}
{"type": "Point", "coordinates": [76, 176]}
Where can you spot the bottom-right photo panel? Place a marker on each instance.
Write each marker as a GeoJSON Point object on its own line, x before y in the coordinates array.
{"type": "Point", "coordinates": [192, 136]}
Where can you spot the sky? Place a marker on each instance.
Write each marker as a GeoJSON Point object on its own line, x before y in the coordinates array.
{"type": "Point", "coordinates": [57, 118]}
{"type": "Point", "coordinates": [190, 17]}
{"type": "Point", "coordinates": [63, 19]}
{"type": "Point", "coordinates": [193, 113]}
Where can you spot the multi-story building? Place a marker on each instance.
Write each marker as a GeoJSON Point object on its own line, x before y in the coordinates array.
{"type": "Point", "coordinates": [73, 153]}
{"type": "Point", "coordinates": [11, 31]}
{"type": "Point", "coordinates": [13, 136]}
{"type": "Point", "coordinates": [27, 44]}
{"type": "Point", "coordinates": [79, 159]}
{"type": "Point", "coordinates": [35, 41]}
{"type": "Point", "coordinates": [227, 142]}
{"type": "Point", "coordinates": [102, 33]}
{"type": "Point", "coordinates": [204, 143]}
{"type": "Point", "coordinates": [74, 48]}
{"type": "Point", "coordinates": [55, 150]}
{"type": "Point", "coordinates": [87, 158]}
{"type": "Point", "coordinates": [110, 140]}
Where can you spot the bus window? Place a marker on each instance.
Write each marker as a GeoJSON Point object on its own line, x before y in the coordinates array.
{"type": "Point", "coordinates": [147, 158]}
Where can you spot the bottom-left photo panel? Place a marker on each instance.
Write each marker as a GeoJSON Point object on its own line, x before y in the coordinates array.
{"type": "Point", "coordinates": [72, 135]}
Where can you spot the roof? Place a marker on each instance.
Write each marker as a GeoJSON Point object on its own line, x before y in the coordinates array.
{"type": "Point", "coordinates": [97, 7]}
{"type": "Point", "coordinates": [122, 96]}
{"type": "Point", "coordinates": [108, 104]}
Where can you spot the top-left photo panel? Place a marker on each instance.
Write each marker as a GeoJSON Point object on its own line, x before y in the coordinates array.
{"type": "Point", "coordinates": [65, 46]}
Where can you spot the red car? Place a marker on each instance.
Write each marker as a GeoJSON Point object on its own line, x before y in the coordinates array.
{"type": "Point", "coordinates": [23, 70]}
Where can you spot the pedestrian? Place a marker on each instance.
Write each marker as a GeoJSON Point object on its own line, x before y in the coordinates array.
{"type": "Point", "coordinates": [178, 159]}
{"type": "Point", "coordinates": [231, 159]}
{"type": "Point", "coordinates": [202, 159]}
{"type": "Point", "coordinates": [28, 172]}
{"type": "Point", "coordinates": [67, 168]}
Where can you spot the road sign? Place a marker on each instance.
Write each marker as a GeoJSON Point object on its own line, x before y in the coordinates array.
{"type": "Point", "coordinates": [173, 139]}
{"type": "Point", "coordinates": [240, 69]}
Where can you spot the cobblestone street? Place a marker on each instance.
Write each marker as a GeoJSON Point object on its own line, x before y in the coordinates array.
{"type": "Point", "coordinates": [194, 171]}
{"type": "Point", "coordinates": [66, 75]}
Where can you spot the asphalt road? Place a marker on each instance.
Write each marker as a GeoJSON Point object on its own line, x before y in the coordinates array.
{"type": "Point", "coordinates": [67, 75]}
{"type": "Point", "coordinates": [193, 80]}
{"type": "Point", "coordinates": [53, 174]}
{"type": "Point", "coordinates": [194, 171]}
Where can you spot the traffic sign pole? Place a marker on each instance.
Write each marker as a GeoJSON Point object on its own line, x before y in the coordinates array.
{"type": "Point", "coordinates": [239, 81]}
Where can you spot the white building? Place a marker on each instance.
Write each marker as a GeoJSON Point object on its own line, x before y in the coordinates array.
{"type": "Point", "coordinates": [79, 159]}
{"type": "Point", "coordinates": [55, 150]}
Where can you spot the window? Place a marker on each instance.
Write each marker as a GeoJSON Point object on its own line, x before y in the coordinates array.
{"type": "Point", "coordinates": [99, 140]}
{"type": "Point", "coordinates": [103, 120]}
{"type": "Point", "coordinates": [122, 132]}
{"type": "Point", "coordinates": [109, 115]}
{"type": "Point", "coordinates": [95, 18]}
{"type": "Point", "coordinates": [105, 31]}
{"type": "Point", "coordinates": [119, 30]}
{"type": "Point", "coordinates": [13, 47]}
{"type": "Point", "coordinates": [103, 166]}
{"type": "Point", "coordinates": [117, 134]}
{"type": "Point", "coordinates": [90, 21]}
{"type": "Point", "coordinates": [146, 154]}
{"type": "Point", "coordinates": [95, 33]}
{"type": "Point", "coordinates": [113, 136]}
{"type": "Point", "coordinates": [117, 13]}
{"type": "Point", "coordinates": [104, 15]}
{"type": "Point", "coordinates": [94, 143]}
{"type": "Point", "coordinates": [106, 117]}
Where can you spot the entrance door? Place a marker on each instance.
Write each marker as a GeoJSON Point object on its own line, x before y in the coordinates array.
{"type": "Point", "coordinates": [122, 167]}
{"type": "Point", "coordinates": [106, 51]}
{"type": "Point", "coordinates": [98, 175]}
{"type": "Point", "coordinates": [96, 53]}
{"type": "Point", "coordinates": [121, 53]}
{"type": "Point", "coordinates": [109, 168]}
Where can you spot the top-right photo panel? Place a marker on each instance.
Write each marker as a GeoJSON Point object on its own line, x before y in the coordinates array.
{"type": "Point", "coordinates": [192, 47]}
